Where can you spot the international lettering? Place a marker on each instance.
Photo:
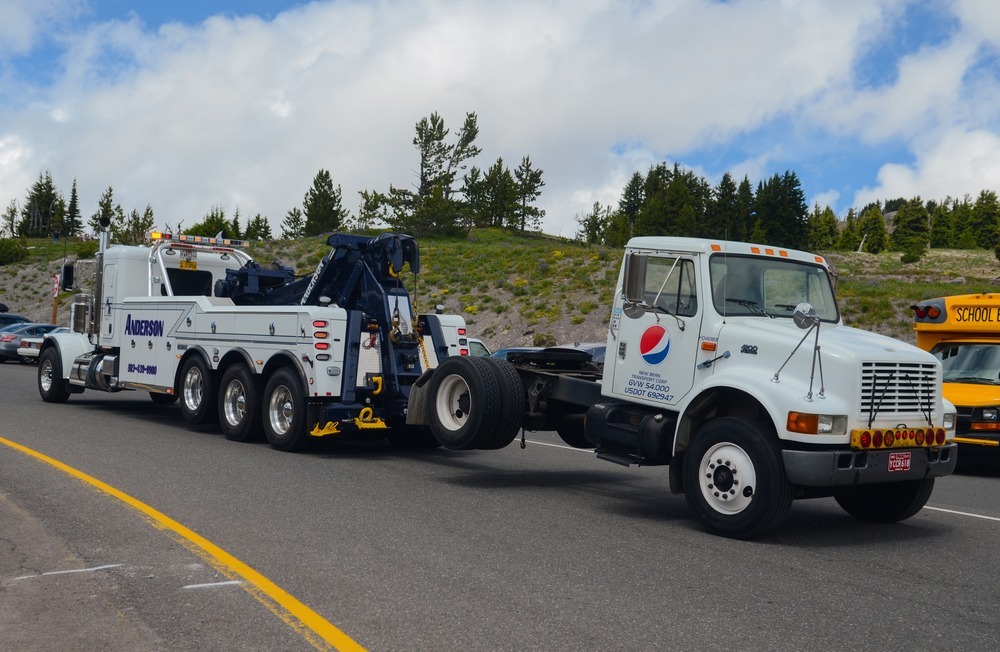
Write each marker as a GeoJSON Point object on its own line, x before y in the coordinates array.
{"type": "Point", "coordinates": [143, 327]}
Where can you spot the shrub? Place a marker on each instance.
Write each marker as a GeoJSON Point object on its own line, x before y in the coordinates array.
{"type": "Point", "coordinates": [12, 250]}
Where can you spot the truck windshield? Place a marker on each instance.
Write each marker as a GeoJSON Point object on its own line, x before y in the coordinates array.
{"type": "Point", "coordinates": [973, 363]}
{"type": "Point", "coordinates": [770, 287]}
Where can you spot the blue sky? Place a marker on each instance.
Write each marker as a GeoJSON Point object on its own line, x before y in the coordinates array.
{"type": "Point", "coordinates": [187, 106]}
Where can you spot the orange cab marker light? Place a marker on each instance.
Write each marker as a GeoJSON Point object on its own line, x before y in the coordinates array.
{"type": "Point", "coordinates": [769, 252]}
{"type": "Point", "coordinates": [755, 250]}
{"type": "Point", "coordinates": [708, 346]}
{"type": "Point", "coordinates": [716, 247]}
{"type": "Point", "coordinates": [783, 253]}
{"type": "Point", "coordinates": [819, 259]}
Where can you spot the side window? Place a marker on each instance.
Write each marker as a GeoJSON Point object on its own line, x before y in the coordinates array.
{"type": "Point", "coordinates": [670, 285]}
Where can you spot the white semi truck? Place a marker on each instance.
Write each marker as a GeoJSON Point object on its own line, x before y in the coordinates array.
{"type": "Point", "coordinates": [728, 362]}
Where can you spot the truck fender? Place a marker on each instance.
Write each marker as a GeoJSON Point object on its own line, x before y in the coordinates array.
{"type": "Point", "coordinates": [717, 401]}
{"type": "Point", "coordinates": [416, 407]}
{"type": "Point", "coordinates": [70, 346]}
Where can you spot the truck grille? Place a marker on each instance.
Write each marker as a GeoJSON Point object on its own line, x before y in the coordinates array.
{"type": "Point", "coordinates": [898, 388]}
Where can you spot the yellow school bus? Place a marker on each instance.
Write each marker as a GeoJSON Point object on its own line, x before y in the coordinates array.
{"type": "Point", "coordinates": [963, 331]}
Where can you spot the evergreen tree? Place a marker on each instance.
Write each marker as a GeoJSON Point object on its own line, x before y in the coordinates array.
{"type": "Point", "coordinates": [500, 199]}
{"type": "Point", "coordinates": [258, 228]}
{"type": "Point", "coordinates": [781, 211]}
{"type": "Point", "coordinates": [529, 188]}
{"type": "Point", "coordinates": [9, 224]}
{"type": "Point", "coordinates": [294, 225]}
{"type": "Point", "coordinates": [234, 231]}
{"type": "Point", "coordinates": [823, 229]}
{"type": "Point", "coordinates": [911, 231]}
{"type": "Point", "coordinates": [373, 210]}
{"type": "Point", "coordinates": [475, 192]}
{"type": "Point", "coordinates": [105, 210]}
{"type": "Point", "coordinates": [850, 236]}
{"type": "Point", "coordinates": [722, 217]}
{"type": "Point", "coordinates": [871, 227]}
{"type": "Point", "coordinates": [631, 201]}
{"type": "Point", "coordinates": [985, 219]}
{"type": "Point", "coordinates": [942, 227]}
{"type": "Point", "coordinates": [592, 224]}
{"type": "Point", "coordinates": [215, 222]}
{"type": "Point", "coordinates": [322, 206]}
{"type": "Point", "coordinates": [744, 211]}
{"type": "Point", "coordinates": [42, 213]}
{"type": "Point", "coordinates": [72, 220]}
{"type": "Point", "coordinates": [965, 237]}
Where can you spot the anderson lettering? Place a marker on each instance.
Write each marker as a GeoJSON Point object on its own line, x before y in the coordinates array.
{"type": "Point", "coordinates": [143, 327]}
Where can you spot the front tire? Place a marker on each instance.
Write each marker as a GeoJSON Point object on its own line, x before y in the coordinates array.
{"type": "Point", "coordinates": [888, 502]}
{"type": "Point", "coordinates": [239, 404]}
{"type": "Point", "coordinates": [734, 480]}
{"type": "Point", "coordinates": [197, 389]}
{"type": "Point", "coordinates": [51, 384]}
{"type": "Point", "coordinates": [284, 411]}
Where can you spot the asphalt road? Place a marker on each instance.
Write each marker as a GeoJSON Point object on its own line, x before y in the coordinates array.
{"type": "Point", "coordinates": [545, 548]}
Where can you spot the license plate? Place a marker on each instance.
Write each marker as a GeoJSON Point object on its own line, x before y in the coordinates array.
{"type": "Point", "coordinates": [899, 462]}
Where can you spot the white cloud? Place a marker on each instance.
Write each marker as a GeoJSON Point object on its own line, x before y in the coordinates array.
{"type": "Point", "coordinates": [245, 111]}
{"type": "Point", "coordinates": [959, 163]}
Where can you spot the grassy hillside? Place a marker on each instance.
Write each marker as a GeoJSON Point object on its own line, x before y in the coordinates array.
{"type": "Point", "coordinates": [515, 290]}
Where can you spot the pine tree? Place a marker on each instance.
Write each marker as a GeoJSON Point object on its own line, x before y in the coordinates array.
{"type": "Point", "coordinates": [105, 210]}
{"type": "Point", "coordinates": [42, 212]}
{"type": "Point", "coordinates": [942, 227]}
{"type": "Point", "coordinates": [911, 231]}
{"type": "Point", "coordinates": [529, 188]}
{"type": "Point", "coordinates": [72, 220]}
{"type": "Point", "coordinates": [9, 224]}
{"type": "Point", "coordinates": [871, 227]}
{"type": "Point", "coordinates": [823, 231]}
{"type": "Point", "coordinates": [294, 225]}
{"type": "Point", "coordinates": [722, 212]}
{"type": "Point", "coordinates": [215, 222]}
{"type": "Point", "coordinates": [258, 228]}
{"type": "Point", "coordinates": [985, 219]}
{"type": "Point", "coordinates": [631, 201]}
{"type": "Point", "coordinates": [322, 206]}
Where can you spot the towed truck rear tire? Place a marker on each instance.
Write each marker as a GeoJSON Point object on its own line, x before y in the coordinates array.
{"type": "Point", "coordinates": [511, 401]}
{"type": "Point", "coordinates": [464, 403]}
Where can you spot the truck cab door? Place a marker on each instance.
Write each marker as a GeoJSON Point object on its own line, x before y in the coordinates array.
{"type": "Point", "coordinates": [655, 330]}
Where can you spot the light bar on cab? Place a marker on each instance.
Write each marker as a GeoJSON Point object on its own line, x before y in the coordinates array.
{"type": "Point", "coordinates": [218, 243]}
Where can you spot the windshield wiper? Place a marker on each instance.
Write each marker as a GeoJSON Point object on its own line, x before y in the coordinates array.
{"type": "Point", "coordinates": [752, 306]}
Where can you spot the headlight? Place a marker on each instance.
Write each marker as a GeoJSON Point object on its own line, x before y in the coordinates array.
{"type": "Point", "coordinates": [989, 414]}
{"type": "Point", "coordinates": [948, 422]}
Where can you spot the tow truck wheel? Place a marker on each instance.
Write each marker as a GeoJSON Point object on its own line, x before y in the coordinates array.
{"type": "Point", "coordinates": [464, 401]}
{"type": "Point", "coordinates": [239, 404]}
{"type": "Point", "coordinates": [512, 400]}
{"type": "Point", "coordinates": [886, 502]}
{"type": "Point", "coordinates": [51, 385]}
{"type": "Point", "coordinates": [284, 407]}
{"type": "Point", "coordinates": [197, 389]}
{"type": "Point", "coordinates": [734, 480]}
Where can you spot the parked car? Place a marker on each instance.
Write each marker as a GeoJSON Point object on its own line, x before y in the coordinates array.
{"type": "Point", "coordinates": [7, 319]}
{"type": "Point", "coordinates": [478, 347]}
{"type": "Point", "coordinates": [10, 338]}
{"type": "Point", "coordinates": [27, 352]}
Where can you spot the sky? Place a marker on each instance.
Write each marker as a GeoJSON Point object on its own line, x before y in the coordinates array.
{"type": "Point", "coordinates": [190, 105]}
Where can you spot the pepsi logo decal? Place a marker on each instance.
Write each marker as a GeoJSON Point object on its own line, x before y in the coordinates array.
{"type": "Point", "coordinates": [654, 344]}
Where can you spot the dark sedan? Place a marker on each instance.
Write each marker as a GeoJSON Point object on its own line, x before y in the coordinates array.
{"type": "Point", "coordinates": [10, 338]}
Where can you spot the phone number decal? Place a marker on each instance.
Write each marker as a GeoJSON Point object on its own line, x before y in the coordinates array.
{"type": "Point", "coordinates": [149, 369]}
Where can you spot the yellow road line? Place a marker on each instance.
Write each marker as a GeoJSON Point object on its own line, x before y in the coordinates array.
{"type": "Point", "coordinates": [308, 618]}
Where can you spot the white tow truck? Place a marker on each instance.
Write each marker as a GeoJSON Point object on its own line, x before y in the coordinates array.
{"type": "Point", "coordinates": [728, 362]}
{"type": "Point", "coordinates": [250, 345]}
